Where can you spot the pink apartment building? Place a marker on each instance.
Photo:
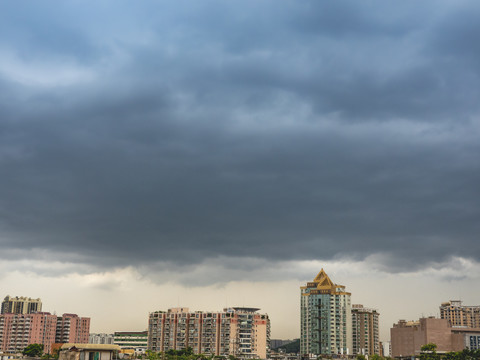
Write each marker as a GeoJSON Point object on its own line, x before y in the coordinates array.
{"type": "Point", "coordinates": [72, 329]}
{"type": "Point", "coordinates": [17, 331]}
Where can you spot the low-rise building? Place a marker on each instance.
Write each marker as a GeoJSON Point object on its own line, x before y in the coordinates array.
{"type": "Point", "coordinates": [407, 338]}
{"type": "Point", "coordinates": [8, 356]}
{"type": "Point", "coordinates": [136, 340]}
{"type": "Point", "coordinates": [466, 338]}
{"type": "Point", "coordinates": [88, 352]}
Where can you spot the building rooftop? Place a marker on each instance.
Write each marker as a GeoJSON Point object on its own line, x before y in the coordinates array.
{"type": "Point", "coordinates": [105, 347]}
{"type": "Point", "coordinates": [246, 309]}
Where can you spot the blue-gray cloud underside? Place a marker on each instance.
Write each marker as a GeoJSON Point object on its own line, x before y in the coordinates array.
{"type": "Point", "coordinates": [279, 131]}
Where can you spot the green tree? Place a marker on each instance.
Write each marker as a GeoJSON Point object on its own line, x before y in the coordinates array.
{"type": "Point", "coordinates": [189, 351]}
{"type": "Point", "coordinates": [361, 357]}
{"type": "Point", "coordinates": [429, 352]}
{"type": "Point", "coordinates": [430, 347]}
{"type": "Point", "coordinates": [33, 350]}
{"type": "Point", "coordinates": [152, 355]}
{"type": "Point", "coordinates": [452, 355]}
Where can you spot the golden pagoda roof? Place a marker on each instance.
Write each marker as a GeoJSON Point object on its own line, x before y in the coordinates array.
{"type": "Point", "coordinates": [323, 281]}
{"type": "Point", "coordinates": [323, 285]}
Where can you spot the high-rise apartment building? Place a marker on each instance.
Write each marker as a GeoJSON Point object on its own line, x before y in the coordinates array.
{"type": "Point", "coordinates": [459, 315]}
{"type": "Point", "coordinates": [72, 329]}
{"type": "Point", "coordinates": [237, 331]}
{"type": "Point", "coordinates": [325, 318]}
{"type": "Point", "coordinates": [366, 340]}
{"type": "Point", "coordinates": [21, 305]}
{"type": "Point", "coordinates": [17, 331]}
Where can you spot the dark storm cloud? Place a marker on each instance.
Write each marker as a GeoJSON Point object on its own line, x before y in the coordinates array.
{"type": "Point", "coordinates": [292, 131]}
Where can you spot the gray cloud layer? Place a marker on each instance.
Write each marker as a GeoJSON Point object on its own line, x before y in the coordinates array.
{"type": "Point", "coordinates": [185, 131]}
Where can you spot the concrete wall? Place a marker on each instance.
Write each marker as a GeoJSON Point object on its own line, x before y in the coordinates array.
{"type": "Point", "coordinates": [438, 332]}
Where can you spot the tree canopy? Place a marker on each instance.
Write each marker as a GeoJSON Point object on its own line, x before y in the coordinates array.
{"type": "Point", "coordinates": [33, 350]}
{"type": "Point", "coordinates": [429, 352]}
{"type": "Point", "coordinates": [186, 354]}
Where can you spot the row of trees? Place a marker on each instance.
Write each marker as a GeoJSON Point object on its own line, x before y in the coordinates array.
{"type": "Point", "coordinates": [373, 357]}
{"type": "Point", "coordinates": [429, 352]}
{"type": "Point", "coordinates": [186, 354]}
{"type": "Point", "coordinates": [36, 350]}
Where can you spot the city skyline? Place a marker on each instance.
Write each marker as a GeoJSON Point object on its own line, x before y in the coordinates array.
{"type": "Point", "coordinates": [216, 154]}
{"type": "Point", "coordinates": [135, 318]}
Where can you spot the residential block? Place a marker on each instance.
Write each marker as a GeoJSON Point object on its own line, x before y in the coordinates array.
{"type": "Point", "coordinates": [238, 331]}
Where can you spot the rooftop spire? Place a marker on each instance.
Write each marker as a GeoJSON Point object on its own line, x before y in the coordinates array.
{"type": "Point", "coordinates": [323, 281]}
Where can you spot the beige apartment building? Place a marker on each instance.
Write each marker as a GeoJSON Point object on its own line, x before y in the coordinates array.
{"type": "Point", "coordinates": [365, 330]}
{"type": "Point", "coordinates": [21, 305]}
{"type": "Point", "coordinates": [237, 331]}
{"type": "Point", "coordinates": [459, 315]}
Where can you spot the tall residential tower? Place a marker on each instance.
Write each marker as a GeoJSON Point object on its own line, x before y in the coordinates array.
{"type": "Point", "coordinates": [326, 318]}
{"type": "Point", "coordinates": [365, 331]}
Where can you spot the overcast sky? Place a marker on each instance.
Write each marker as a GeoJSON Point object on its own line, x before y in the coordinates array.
{"type": "Point", "coordinates": [212, 153]}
